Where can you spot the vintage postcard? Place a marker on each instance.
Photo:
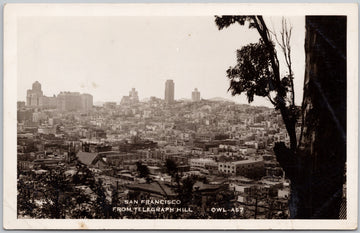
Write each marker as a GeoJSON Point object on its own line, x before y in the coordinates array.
{"type": "Point", "coordinates": [180, 116]}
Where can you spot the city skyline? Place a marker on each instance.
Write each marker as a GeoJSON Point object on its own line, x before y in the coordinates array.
{"type": "Point", "coordinates": [133, 90]}
{"type": "Point", "coordinates": [88, 55]}
{"type": "Point", "coordinates": [37, 88]}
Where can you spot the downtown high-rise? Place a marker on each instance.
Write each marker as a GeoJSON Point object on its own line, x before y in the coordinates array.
{"type": "Point", "coordinates": [195, 95]}
{"type": "Point", "coordinates": [169, 91]}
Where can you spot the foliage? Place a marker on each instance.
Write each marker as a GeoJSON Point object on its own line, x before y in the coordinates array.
{"type": "Point", "coordinates": [171, 167]}
{"type": "Point", "coordinates": [55, 195]}
{"type": "Point", "coordinates": [252, 74]}
{"type": "Point", "coordinates": [142, 169]}
{"type": "Point", "coordinates": [257, 70]}
{"type": "Point", "coordinates": [25, 204]}
{"type": "Point", "coordinates": [103, 208]}
{"type": "Point", "coordinates": [186, 193]}
{"type": "Point", "coordinates": [226, 20]}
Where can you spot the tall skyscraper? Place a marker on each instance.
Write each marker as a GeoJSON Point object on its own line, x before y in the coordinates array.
{"type": "Point", "coordinates": [195, 95]}
{"type": "Point", "coordinates": [74, 101]}
{"type": "Point", "coordinates": [69, 101]}
{"type": "Point", "coordinates": [133, 94]}
{"type": "Point", "coordinates": [65, 101]}
{"type": "Point", "coordinates": [86, 102]}
{"type": "Point", "coordinates": [132, 98]}
{"type": "Point", "coordinates": [169, 91]}
{"type": "Point", "coordinates": [34, 95]}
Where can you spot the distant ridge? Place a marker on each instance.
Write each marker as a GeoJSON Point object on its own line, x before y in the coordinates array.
{"type": "Point", "coordinates": [220, 99]}
{"type": "Point", "coordinates": [185, 99]}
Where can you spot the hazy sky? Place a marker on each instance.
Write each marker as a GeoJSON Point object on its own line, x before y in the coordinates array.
{"type": "Point", "coordinates": [107, 56]}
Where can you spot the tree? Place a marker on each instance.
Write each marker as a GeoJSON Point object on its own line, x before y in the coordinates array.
{"type": "Point", "coordinates": [186, 191]}
{"type": "Point", "coordinates": [316, 169]}
{"type": "Point", "coordinates": [25, 202]}
{"type": "Point", "coordinates": [58, 195]}
{"type": "Point", "coordinates": [103, 208]}
{"type": "Point", "coordinates": [257, 71]}
{"type": "Point", "coordinates": [171, 167]}
{"type": "Point", "coordinates": [54, 195]}
{"type": "Point", "coordinates": [142, 169]}
{"type": "Point", "coordinates": [316, 164]}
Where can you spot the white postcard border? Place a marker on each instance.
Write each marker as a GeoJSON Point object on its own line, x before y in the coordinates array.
{"type": "Point", "coordinates": [13, 11]}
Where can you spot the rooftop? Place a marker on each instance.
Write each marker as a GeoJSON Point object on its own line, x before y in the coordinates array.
{"type": "Point", "coordinates": [247, 161]}
{"type": "Point", "coordinates": [86, 157]}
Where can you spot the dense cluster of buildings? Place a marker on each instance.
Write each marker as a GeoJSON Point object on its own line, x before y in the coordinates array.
{"type": "Point", "coordinates": [64, 101]}
{"type": "Point", "coordinates": [132, 98]}
{"type": "Point", "coordinates": [226, 148]}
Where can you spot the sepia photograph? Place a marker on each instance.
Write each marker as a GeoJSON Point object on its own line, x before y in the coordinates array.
{"type": "Point", "coordinates": [203, 116]}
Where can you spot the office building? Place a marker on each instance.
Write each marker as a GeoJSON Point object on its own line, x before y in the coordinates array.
{"type": "Point", "coordinates": [133, 94]}
{"type": "Point", "coordinates": [68, 101]}
{"type": "Point", "coordinates": [86, 102]}
{"type": "Point", "coordinates": [132, 98]}
{"type": "Point", "coordinates": [169, 91]}
{"type": "Point", "coordinates": [195, 95]}
{"type": "Point", "coordinates": [33, 96]}
{"type": "Point", "coordinates": [74, 101]}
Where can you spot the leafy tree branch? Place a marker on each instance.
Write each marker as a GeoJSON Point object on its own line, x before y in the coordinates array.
{"type": "Point", "coordinates": [257, 70]}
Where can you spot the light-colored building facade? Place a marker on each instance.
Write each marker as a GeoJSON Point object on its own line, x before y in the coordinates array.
{"type": "Point", "coordinates": [132, 98]}
{"type": "Point", "coordinates": [86, 102]}
{"type": "Point", "coordinates": [242, 167]}
{"type": "Point", "coordinates": [34, 95]}
{"type": "Point", "coordinates": [74, 101]}
{"type": "Point", "coordinates": [201, 162]}
{"type": "Point", "coordinates": [133, 94]}
{"type": "Point", "coordinates": [65, 101]}
{"type": "Point", "coordinates": [69, 101]}
{"type": "Point", "coordinates": [195, 95]}
{"type": "Point", "coordinates": [169, 91]}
